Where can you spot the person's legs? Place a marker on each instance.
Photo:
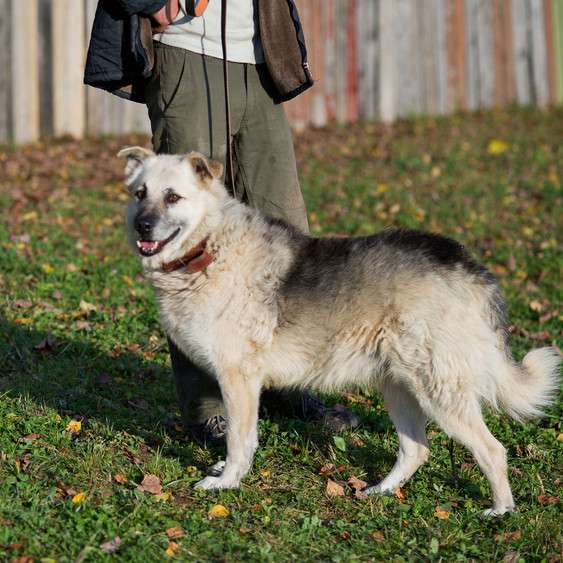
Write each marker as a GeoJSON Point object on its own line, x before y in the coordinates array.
{"type": "Point", "coordinates": [186, 108]}
{"type": "Point", "coordinates": [266, 170]}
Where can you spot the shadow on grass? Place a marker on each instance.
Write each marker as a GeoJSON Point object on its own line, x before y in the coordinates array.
{"type": "Point", "coordinates": [130, 393]}
{"type": "Point", "coordinates": [136, 395]}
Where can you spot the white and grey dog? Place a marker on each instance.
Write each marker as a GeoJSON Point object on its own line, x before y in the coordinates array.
{"type": "Point", "coordinates": [260, 305]}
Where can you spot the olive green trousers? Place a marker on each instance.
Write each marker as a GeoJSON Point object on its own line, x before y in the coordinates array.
{"type": "Point", "coordinates": [185, 99]}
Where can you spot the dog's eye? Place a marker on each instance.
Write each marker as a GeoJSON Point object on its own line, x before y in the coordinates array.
{"type": "Point", "coordinates": [141, 193]}
{"type": "Point", "coordinates": [171, 198]}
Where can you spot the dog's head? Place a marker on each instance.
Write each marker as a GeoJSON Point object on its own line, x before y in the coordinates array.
{"type": "Point", "coordinates": [172, 198]}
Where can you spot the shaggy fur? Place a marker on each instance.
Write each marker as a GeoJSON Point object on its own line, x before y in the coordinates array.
{"type": "Point", "coordinates": [408, 313]}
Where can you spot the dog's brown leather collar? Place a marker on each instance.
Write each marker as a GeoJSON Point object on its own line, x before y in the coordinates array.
{"type": "Point", "coordinates": [195, 260]}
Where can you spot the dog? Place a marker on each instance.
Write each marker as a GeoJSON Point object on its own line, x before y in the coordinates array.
{"type": "Point", "coordinates": [259, 304]}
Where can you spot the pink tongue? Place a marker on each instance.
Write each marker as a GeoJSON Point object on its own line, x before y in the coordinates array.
{"type": "Point", "coordinates": [149, 244]}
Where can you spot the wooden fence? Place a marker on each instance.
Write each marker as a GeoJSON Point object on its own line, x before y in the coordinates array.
{"type": "Point", "coordinates": [372, 59]}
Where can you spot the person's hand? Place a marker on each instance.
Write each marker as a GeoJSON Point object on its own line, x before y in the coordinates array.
{"type": "Point", "coordinates": [165, 16]}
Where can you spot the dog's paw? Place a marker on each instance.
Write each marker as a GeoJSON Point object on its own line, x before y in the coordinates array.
{"type": "Point", "coordinates": [495, 512]}
{"type": "Point", "coordinates": [215, 484]}
{"type": "Point", "coordinates": [216, 469]}
{"type": "Point", "coordinates": [379, 490]}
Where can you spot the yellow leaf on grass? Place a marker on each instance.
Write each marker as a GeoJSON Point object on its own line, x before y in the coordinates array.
{"type": "Point", "coordinates": [74, 426]}
{"type": "Point", "coordinates": [497, 146]}
{"type": "Point", "coordinates": [172, 549]}
{"type": "Point", "coordinates": [86, 307]}
{"type": "Point", "coordinates": [265, 473]}
{"type": "Point", "coordinates": [47, 268]}
{"type": "Point", "coordinates": [23, 321]}
{"type": "Point", "coordinates": [30, 216]}
{"type": "Point", "coordinates": [163, 497]}
{"type": "Point", "coordinates": [78, 498]}
{"type": "Point", "coordinates": [441, 513]}
{"type": "Point", "coordinates": [381, 188]}
{"type": "Point", "coordinates": [191, 470]}
{"type": "Point", "coordinates": [218, 511]}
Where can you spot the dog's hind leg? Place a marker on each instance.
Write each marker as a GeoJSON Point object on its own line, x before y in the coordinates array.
{"type": "Point", "coordinates": [410, 423]}
{"type": "Point", "coordinates": [468, 427]}
{"type": "Point", "coordinates": [241, 396]}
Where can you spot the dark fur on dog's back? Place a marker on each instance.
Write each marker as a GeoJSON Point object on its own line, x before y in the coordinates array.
{"type": "Point", "coordinates": [432, 251]}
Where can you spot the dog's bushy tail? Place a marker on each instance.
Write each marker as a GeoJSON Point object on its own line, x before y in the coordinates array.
{"type": "Point", "coordinates": [531, 386]}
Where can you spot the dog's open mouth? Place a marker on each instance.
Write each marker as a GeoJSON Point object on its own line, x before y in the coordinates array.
{"type": "Point", "coordinates": [152, 247]}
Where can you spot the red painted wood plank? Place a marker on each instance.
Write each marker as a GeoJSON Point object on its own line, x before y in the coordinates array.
{"type": "Point", "coordinates": [503, 52]}
{"type": "Point", "coordinates": [455, 42]}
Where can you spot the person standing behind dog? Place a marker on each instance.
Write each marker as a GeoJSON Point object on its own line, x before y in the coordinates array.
{"type": "Point", "coordinates": [184, 93]}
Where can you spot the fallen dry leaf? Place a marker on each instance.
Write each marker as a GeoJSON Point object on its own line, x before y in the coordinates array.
{"type": "Point", "coordinates": [86, 307]}
{"type": "Point", "coordinates": [377, 535]}
{"type": "Point", "coordinates": [23, 303]}
{"type": "Point", "coordinates": [358, 486]}
{"type": "Point", "coordinates": [74, 426]}
{"type": "Point", "coordinates": [150, 484]}
{"type": "Point", "coordinates": [497, 146]}
{"type": "Point", "coordinates": [175, 532]}
{"type": "Point", "coordinates": [509, 536]}
{"type": "Point", "coordinates": [218, 511]}
{"type": "Point", "coordinates": [120, 478]}
{"type": "Point", "coordinates": [400, 494]}
{"type": "Point", "coordinates": [172, 549]}
{"type": "Point", "coordinates": [78, 498]}
{"type": "Point", "coordinates": [244, 530]}
{"type": "Point", "coordinates": [441, 513]}
{"type": "Point", "coordinates": [548, 499]}
{"type": "Point", "coordinates": [511, 557]}
{"type": "Point", "coordinates": [30, 437]}
{"type": "Point", "coordinates": [111, 546]}
{"type": "Point", "coordinates": [48, 344]}
{"type": "Point", "coordinates": [334, 489]}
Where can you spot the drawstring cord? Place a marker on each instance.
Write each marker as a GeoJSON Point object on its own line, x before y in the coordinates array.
{"type": "Point", "coordinates": [229, 160]}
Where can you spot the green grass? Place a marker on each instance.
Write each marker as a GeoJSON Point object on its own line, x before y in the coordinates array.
{"type": "Point", "coordinates": [62, 242]}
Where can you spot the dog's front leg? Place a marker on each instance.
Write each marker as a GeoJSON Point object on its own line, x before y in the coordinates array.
{"type": "Point", "coordinates": [241, 396]}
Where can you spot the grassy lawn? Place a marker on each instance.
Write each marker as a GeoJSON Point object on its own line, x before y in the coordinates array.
{"type": "Point", "coordinates": [87, 402]}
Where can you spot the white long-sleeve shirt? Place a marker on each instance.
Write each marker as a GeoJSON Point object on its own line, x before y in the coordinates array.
{"type": "Point", "coordinates": [203, 34]}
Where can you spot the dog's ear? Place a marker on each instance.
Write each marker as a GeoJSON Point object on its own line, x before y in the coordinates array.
{"type": "Point", "coordinates": [205, 168]}
{"type": "Point", "coordinates": [135, 157]}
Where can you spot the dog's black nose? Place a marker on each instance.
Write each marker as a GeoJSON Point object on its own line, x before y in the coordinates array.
{"type": "Point", "coordinates": [143, 225]}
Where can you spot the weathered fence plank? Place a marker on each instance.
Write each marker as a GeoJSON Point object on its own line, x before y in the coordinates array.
{"type": "Point", "coordinates": [550, 49]}
{"type": "Point", "coordinates": [539, 56]}
{"type": "Point", "coordinates": [557, 10]}
{"type": "Point", "coordinates": [522, 55]}
{"type": "Point", "coordinates": [68, 40]}
{"type": "Point", "coordinates": [5, 72]}
{"type": "Point", "coordinates": [25, 71]}
{"type": "Point", "coordinates": [503, 52]}
{"type": "Point", "coordinates": [370, 59]}
{"type": "Point", "coordinates": [388, 71]}
{"type": "Point", "coordinates": [455, 47]}
{"type": "Point", "coordinates": [408, 58]}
